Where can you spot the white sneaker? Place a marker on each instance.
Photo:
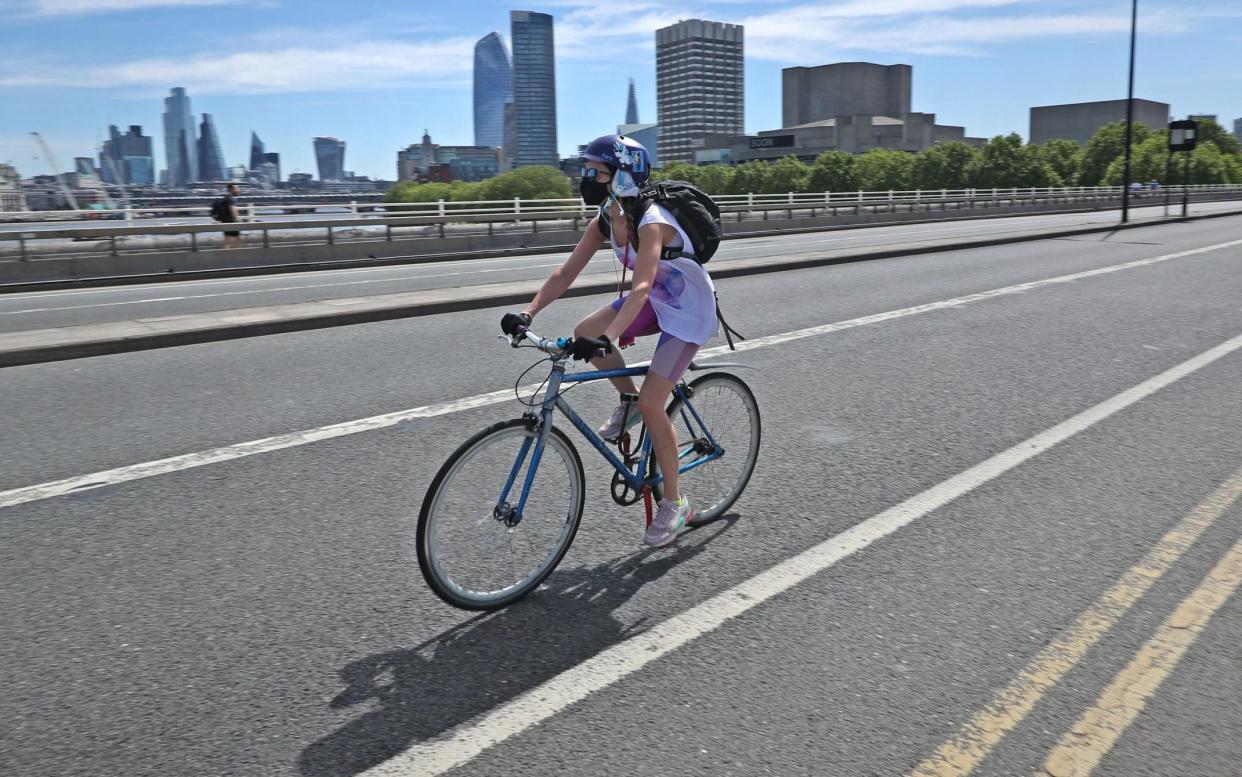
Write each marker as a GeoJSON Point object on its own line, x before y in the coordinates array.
{"type": "Point", "coordinates": [613, 428]}
{"type": "Point", "coordinates": [670, 519]}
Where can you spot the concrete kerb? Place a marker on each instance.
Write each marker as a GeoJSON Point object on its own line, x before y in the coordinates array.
{"type": "Point", "coordinates": [22, 348]}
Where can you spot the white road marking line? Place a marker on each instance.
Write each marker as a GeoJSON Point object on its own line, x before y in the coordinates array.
{"type": "Point", "coordinates": [464, 742]}
{"type": "Point", "coordinates": [240, 450]}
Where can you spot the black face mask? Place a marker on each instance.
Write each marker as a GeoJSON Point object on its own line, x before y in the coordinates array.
{"type": "Point", "coordinates": [593, 192]}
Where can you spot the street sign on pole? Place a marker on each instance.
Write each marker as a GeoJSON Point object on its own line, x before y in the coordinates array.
{"type": "Point", "coordinates": [1182, 135]}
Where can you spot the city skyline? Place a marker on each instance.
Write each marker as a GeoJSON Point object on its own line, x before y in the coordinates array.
{"type": "Point", "coordinates": [376, 82]}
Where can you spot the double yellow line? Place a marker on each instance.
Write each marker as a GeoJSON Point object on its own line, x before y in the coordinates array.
{"type": "Point", "coordinates": [1081, 749]}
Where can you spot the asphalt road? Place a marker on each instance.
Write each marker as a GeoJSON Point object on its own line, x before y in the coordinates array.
{"type": "Point", "coordinates": [39, 310]}
{"type": "Point", "coordinates": [265, 615]}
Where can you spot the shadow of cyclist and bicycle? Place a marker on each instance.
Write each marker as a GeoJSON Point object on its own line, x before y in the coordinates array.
{"type": "Point", "coordinates": [485, 661]}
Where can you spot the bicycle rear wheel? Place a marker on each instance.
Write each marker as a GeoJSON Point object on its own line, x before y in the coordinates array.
{"type": "Point", "coordinates": [724, 410]}
{"type": "Point", "coordinates": [469, 554]}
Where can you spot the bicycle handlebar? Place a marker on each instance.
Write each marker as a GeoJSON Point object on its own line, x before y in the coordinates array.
{"type": "Point", "coordinates": [557, 349]}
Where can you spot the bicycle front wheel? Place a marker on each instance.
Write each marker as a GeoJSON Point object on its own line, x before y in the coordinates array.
{"type": "Point", "coordinates": [472, 552]}
{"type": "Point", "coordinates": [721, 409]}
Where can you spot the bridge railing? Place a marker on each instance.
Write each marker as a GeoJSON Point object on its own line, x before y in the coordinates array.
{"type": "Point", "coordinates": [306, 204]}
{"type": "Point", "coordinates": [431, 221]}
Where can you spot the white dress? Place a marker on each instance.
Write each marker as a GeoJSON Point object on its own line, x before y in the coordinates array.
{"type": "Point", "coordinates": [682, 296]}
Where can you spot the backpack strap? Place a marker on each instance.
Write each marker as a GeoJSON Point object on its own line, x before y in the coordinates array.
{"type": "Point", "coordinates": [729, 331]}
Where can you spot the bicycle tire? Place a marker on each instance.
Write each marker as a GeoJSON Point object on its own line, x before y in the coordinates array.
{"type": "Point", "coordinates": [707, 389]}
{"type": "Point", "coordinates": [454, 484]}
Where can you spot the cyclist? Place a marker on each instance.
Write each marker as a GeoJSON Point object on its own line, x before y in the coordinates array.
{"type": "Point", "coordinates": [671, 295]}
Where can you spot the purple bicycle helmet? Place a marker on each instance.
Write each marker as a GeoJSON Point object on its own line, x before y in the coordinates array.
{"type": "Point", "coordinates": [625, 155]}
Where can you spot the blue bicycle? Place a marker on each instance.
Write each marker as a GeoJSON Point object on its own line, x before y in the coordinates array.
{"type": "Point", "coordinates": [504, 508]}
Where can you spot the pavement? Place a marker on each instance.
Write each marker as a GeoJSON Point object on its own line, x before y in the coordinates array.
{"type": "Point", "coordinates": [28, 346]}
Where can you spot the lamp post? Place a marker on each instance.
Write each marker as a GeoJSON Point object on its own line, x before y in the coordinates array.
{"type": "Point", "coordinates": [1125, 180]}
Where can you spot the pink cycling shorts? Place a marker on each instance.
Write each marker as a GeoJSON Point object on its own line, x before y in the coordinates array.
{"type": "Point", "coordinates": [672, 355]}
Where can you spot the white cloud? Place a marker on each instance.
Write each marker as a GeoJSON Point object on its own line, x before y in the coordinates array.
{"type": "Point", "coordinates": [360, 65]}
{"type": "Point", "coordinates": [78, 7]}
{"type": "Point", "coordinates": [812, 34]}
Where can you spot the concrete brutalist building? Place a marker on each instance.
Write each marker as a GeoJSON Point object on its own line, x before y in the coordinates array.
{"type": "Point", "coordinates": [845, 106]}
{"type": "Point", "coordinates": [1079, 121]}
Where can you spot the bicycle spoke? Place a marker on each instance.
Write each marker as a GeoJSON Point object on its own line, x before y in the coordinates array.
{"type": "Point", "coordinates": [484, 562]}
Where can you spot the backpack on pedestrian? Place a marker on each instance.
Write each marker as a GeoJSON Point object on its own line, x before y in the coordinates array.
{"type": "Point", "coordinates": [220, 210]}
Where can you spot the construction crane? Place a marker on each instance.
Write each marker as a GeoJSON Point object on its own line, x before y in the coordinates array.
{"type": "Point", "coordinates": [60, 179]}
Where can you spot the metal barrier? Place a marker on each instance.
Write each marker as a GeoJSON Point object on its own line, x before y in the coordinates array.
{"type": "Point", "coordinates": [442, 219]}
{"type": "Point", "coordinates": [519, 206]}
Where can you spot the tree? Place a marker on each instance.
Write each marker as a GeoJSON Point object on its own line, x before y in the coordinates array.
{"type": "Point", "coordinates": [536, 182]}
{"type": "Point", "coordinates": [750, 178]}
{"type": "Point", "coordinates": [1148, 162]}
{"type": "Point", "coordinates": [1064, 157]}
{"type": "Point", "coordinates": [465, 191]}
{"type": "Point", "coordinates": [882, 169]}
{"type": "Point", "coordinates": [1208, 164]}
{"type": "Point", "coordinates": [424, 192]}
{"type": "Point", "coordinates": [833, 171]}
{"type": "Point", "coordinates": [1108, 143]}
{"type": "Point", "coordinates": [787, 174]}
{"type": "Point", "coordinates": [1005, 163]}
{"type": "Point", "coordinates": [1211, 132]}
{"type": "Point", "coordinates": [400, 191]}
{"type": "Point", "coordinates": [944, 166]}
{"type": "Point", "coordinates": [677, 171]}
{"type": "Point", "coordinates": [714, 179]}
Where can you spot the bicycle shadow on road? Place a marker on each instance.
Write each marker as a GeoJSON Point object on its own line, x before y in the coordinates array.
{"type": "Point", "coordinates": [491, 658]}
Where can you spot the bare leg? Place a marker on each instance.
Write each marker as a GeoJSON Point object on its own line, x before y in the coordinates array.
{"type": "Point", "coordinates": [651, 403]}
{"type": "Point", "coordinates": [594, 326]}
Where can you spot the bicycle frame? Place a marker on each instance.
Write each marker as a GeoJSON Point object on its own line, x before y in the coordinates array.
{"type": "Point", "coordinates": [633, 478]}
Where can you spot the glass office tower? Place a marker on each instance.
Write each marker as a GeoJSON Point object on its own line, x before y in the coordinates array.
{"type": "Point", "coordinates": [330, 156]}
{"type": "Point", "coordinates": [210, 158]}
{"type": "Point", "coordinates": [180, 146]}
{"type": "Point", "coordinates": [493, 88]}
{"type": "Point", "coordinates": [534, 88]}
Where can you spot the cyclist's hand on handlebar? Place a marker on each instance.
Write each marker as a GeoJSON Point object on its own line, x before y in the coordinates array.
{"type": "Point", "coordinates": [586, 348]}
{"type": "Point", "coordinates": [510, 322]}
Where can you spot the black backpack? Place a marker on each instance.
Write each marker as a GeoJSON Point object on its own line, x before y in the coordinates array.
{"type": "Point", "coordinates": [220, 210]}
{"type": "Point", "coordinates": [696, 214]}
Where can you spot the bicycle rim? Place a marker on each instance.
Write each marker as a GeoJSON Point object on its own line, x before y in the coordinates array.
{"type": "Point", "coordinates": [727, 410]}
{"type": "Point", "coordinates": [470, 557]}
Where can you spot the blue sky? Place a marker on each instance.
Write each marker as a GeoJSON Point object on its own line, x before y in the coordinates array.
{"type": "Point", "coordinates": [377, 72]}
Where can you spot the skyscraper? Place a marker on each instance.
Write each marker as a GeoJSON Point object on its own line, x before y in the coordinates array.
{"type": "Point", "coordinates": [179, 141]}
{"type": "Point", "coordinates": [534, 88]}
{"type": "Point", "coordinates": [256, 151]}
{"type": "Point", "coordinates": [127, 158]}
{"type": "Point", "coordinates": [273, 159]}
{"type": "Point", "coordinates": [210, 157]}
{"type": "Point", "coordinates": [1237, 129]}
{"type": "Point", "coordinates": [110, 157]}
{"type": "Point", "coordinates": [698, 85]}
{"type": "Point", "coordinates": [631, 106]}
{"type": "Point", "coordinates": [493, 88]}
{"type": "Point", "coordinates": [330, 156]}
{"type": "Point", "coordinates": [138, 157]}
